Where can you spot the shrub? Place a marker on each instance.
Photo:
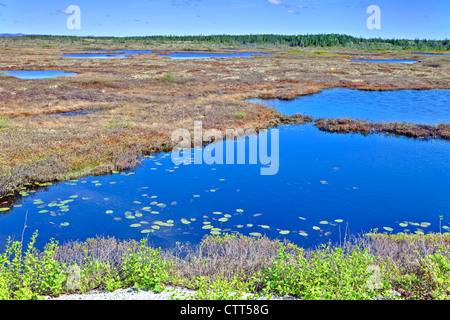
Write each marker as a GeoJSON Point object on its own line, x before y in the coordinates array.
{"type": "Point", "coordinates": [4, 122]}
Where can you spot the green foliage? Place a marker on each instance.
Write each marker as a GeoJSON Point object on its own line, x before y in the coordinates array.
{"type": "Point", "coordinates": [169, 77]}
{"type": "Point", "coordinates": [328, 275]}
{"type": "Point", "coordinates": [4, 122]}
{"type": "Point", "coordinates": [437, 267]}
{"type": "Point", "coordinates": [220, 288]}
{"type": "Point", "coordinates": [30, 275]}
{"type": "Point", "coordinates": [299, 41]}
{"type": "Point", "coordinates": [239, 115]}
{"type": "Point", "coordinates": [145, 268]}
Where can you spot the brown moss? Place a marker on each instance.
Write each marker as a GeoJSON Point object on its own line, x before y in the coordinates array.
{"type": "Point", "coordinates": [346, 125]}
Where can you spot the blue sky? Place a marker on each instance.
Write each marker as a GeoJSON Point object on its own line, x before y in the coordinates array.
{"type": "Point", "coordinates": [399, 18]}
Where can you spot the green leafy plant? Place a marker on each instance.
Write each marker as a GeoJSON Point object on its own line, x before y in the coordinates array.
{"type": "Point", "coordinates": [4, 122]}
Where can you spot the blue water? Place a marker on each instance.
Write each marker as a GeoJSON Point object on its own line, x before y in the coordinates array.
{"type": "Point", "coordinates": [366, 181]}
{"type": "Point", "coordinates": [28, 74]}
{"type": "Point", "coordinates": [386, 61]}
{"type": "Point", "coordinates": [432, 54]}
{"type": "Point", "coordinates": [73, 113]}
{"type": "Point", "coordinates": [196, 55]}
{"type": "Point", "coordinates": [104, 54]}
{"type": "Point", "coordinates": [418, 106]}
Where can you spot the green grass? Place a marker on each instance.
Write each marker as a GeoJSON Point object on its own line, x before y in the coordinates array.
{"type": "Point", "coordinates": [234, 267]}
{"type": "Point", "coordinates": [169, 77]}
{"type": "Point", "coordinates": [239, 115]}
{"type": "Point", "coordinates": [4, 122]}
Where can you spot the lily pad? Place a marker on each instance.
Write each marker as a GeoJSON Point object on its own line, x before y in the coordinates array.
{"type": "Point", "coordinates": [255, 234]}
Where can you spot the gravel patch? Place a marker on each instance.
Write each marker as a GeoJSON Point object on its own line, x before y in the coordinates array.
{"type": "Point", "coordinates": [170, 293]}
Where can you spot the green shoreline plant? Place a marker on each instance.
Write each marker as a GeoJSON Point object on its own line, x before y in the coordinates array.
{"type": "Point", "coordinates": [233, 266]}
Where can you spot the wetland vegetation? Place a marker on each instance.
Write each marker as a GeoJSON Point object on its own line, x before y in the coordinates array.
{"type": "Point", "coordinates": [120, 113]}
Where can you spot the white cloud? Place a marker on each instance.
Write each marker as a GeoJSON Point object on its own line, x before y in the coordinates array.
{"type": "Point", "coordinates": [276, 2]}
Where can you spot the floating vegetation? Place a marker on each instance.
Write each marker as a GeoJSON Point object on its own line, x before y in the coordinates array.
{"type": "Point", "coordinates": [64, 224]}
{"type": "Point", "coordinates": [109, 212]}
{"type": "Point", "coordinates": [255, 234]}
{"type": "Point", "coordinates": [135, 225]}
{"type": "Point", "coordinates": [284, 232]}
{"type": "Point", "coordinates": [388, 229]}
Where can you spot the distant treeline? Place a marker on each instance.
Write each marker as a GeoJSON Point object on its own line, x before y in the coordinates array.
{"type": "Point", "coordinates": [313, 40]}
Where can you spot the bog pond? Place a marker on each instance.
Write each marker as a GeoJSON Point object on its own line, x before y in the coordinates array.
{"type": "Point", "coordinates": [39, 74]}
{"type": "Point", "coordinates": [103, 54]}
{"type": "Point", "coordinates": [386, 61]}
{"type": "Point", "coordinates": [327, 185]}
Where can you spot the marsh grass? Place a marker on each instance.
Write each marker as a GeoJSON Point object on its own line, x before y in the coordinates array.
{"type": "Point", "coordinates": [233, 266]}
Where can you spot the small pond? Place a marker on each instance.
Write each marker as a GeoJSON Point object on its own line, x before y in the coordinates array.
{"type": "Point", "coordinates": [418, 106]}
{"type": "Point", "coordinates": [104, 54]}
{"type": "Point", "coordinates": [386, 61]}
{"type": "Point", "coordinates": [197, 55]}
{"type": "Point", "coordinates": [432, 54]}
{"type": "Point", "coordinates": [40, 74]}
{"type": "Point", "coordinates": [326, 185]}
